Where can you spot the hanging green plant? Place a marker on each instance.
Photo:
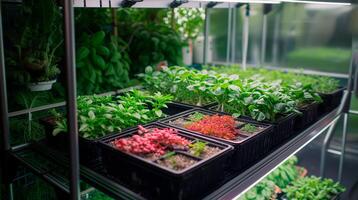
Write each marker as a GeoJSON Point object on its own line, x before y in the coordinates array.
{"type": "Point", "coordinates": [37, 37]}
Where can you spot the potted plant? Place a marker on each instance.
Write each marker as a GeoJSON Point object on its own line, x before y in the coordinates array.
{"type": "Point", "coordinates": [34, 61]}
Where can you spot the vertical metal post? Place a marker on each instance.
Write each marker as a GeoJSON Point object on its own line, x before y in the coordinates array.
{"type": "Point", "coordinates": [245, 37]}
{"type": "Point", "coordinates": [70, 69]}
{"type": "Point", "coordinates": [206, 35]}
{"type": "Point", "coordinates": [4, 120]}
{"type": "Point", "coordinates": [263, 41]}
{"type": "Point", "coordinates": [228, 44]}
{"type": "Point", "coordinates": [233, 35]}
{"type": "Point", "coordinates": [343, 146]}
{"type": "Point", "coordinates": [344, 110]}
{"type": "Point", "coordinates": [326, 142]}
{"type": "Point", "coordinates": [266, 10]}
{"type": "Point", "coordinates": [276, 41]}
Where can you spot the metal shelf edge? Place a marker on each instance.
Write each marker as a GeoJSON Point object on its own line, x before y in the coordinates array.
{"type": "Point", "coordinates": [247, 179]}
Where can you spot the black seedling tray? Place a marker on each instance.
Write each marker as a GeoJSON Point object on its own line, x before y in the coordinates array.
{"type": "Point", "coordinates": [309, 116]}
{"type": "Point", "coordinates": [282, 128]}
{"type": "Point", "coordinates": [88, 148]}
{"type": "Point", "coordinates": [330, 101]}
{"type": "Point", "coordinates": [165, 183]}
{"type": "Point", "coordinates": [248, 148]}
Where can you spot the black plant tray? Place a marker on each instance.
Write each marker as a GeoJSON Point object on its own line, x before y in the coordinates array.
{"type": "Point", "coordinates": [309, 116]}
{"type": "Point", "coordinates": [88, 148]}
{"type": "Point", "coordinates": [248, 148]}
{"type": "Point", "coordinates": [165, 183]}
{"type": "Point", "coordinates": [330, 101]}
{"type": "Point", "coordinates": [282, 128]}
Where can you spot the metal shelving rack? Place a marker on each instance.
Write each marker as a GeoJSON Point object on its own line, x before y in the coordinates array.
{"type": "Point", "coordinates": [64, 173]}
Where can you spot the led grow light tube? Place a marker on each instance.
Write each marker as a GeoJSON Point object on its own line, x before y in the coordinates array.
{"type": "Point", "coordinates": [243, 1]}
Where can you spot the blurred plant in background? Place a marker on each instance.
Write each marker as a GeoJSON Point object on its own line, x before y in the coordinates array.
{"type": "Point", "coordinates": [187, 22]}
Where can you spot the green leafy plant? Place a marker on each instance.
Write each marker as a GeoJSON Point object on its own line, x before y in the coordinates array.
{"type": "Point", "coordinates": [285, 173]}
{"type": "Point", "coordinates": [198, 147]}
{"type": "Point", "coordinates": [196, 117]}
{"type": "Point", "coordinates": [249, 128]}
{"type": "Point", "coordinates": [101, 115]}
{"type": "Point", "coordinates": [265, 190]}
{"type": "Point", "coordinates": [254, 98]}
{"type": "Point", "coordinates": [187, 22]}
{"type": "Point", "coordinates": [162, 43]}
{"type": "Point", "coordinates": [101, 63]}
{"type": "Point", "coordinates": [308, 188]}
{"type": "Point", "coordinates": [35, 42]}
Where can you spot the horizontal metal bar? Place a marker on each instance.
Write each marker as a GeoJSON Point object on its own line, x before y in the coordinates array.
{"type": "Point", "coordinates": [36, 109]}
{"type": "Point", "coordinates": [298, 71]}
{"type": "Point", "coordinates": [60, 104]}
{"type": "Point", "coordinates": [38, 171]}
{"type": "Point", "coordinates": [247, 179]}
{"type": "Point", "coordinates": [354, 112]}
{"type": "Point", "coordinates": [310, 72]}
{"type": "Point", "coordinates": [336, 152]}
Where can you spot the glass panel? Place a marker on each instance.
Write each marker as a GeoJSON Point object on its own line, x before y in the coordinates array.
{"type": "Point", "coordinates": [310, 36]}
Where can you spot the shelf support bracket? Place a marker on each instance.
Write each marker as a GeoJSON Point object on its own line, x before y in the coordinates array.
{"type": "Point", "coordinates": [129, 3]}
{"type": "Point", "coordinates": [177, 3]}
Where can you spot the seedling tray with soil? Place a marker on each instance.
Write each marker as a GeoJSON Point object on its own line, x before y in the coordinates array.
{"type": "Point", "coordinates": [283, 128]}
{"type": "Point", "coordinates": [90, 153]}
{"type": "Point", "coordinates": [250, 139]}
{"type": "Point", "coordinates": [172, 162]}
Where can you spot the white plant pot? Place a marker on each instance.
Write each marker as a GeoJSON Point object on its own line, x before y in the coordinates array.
{"type": "Point", "coordinates": [41, 86]}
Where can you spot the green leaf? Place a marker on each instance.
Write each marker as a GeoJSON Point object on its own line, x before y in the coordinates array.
{"type": "Point", "coordinates": [91, 115]}
{"type": "Point", "coordinates": [56, 131]}
{"type": "Point", "coordinates": [159, 113]}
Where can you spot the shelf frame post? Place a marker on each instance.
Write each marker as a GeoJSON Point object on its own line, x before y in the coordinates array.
{"type": "Point", "coordinates": [71, 95]}
{"type": "Point", "coordinates": [344, 111]}
{"type": "Point", "coordinates": [4, 121]}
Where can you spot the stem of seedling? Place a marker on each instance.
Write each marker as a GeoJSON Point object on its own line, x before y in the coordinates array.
{"type": "Point", "coordinates": [200, 101]}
